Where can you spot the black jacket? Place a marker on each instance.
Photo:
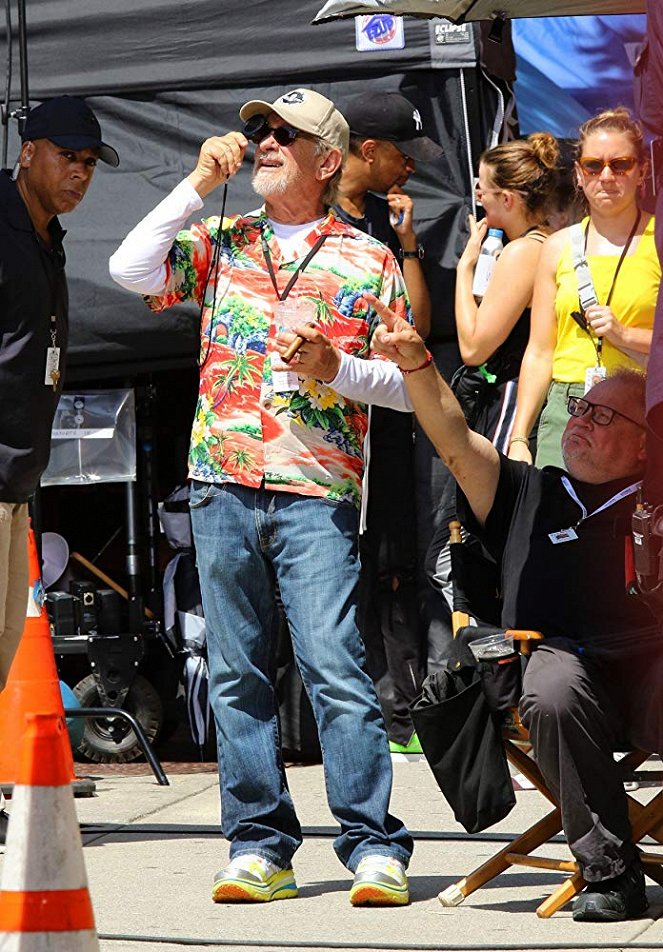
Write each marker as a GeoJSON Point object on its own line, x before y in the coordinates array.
{"type": "Point", "coordinates": [32, 287]}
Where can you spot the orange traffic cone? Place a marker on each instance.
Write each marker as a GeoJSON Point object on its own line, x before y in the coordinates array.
{"type": "Point", "coordinates": [44, 898]}
{"type": "Point", "coordinates": [33, 685]}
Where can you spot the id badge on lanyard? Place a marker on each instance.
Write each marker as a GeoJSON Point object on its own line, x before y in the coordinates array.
{"type": "Point", "coordinates": [289, 314]}
{"type": "Point", "coordinates": [52, 372]}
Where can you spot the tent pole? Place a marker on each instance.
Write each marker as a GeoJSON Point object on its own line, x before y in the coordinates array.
{"type": "Point", "coordinates": [23, 65]}
{"type": "Point", "coordinates": [132, 562]}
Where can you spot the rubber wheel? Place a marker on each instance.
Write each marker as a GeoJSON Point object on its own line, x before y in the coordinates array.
{"type": "Point", "coordinates": [111, 740]}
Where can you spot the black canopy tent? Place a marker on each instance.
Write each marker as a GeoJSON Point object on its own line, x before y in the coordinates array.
{"type": "Point", "coordinates": [163, 75]}
{"type": "Point", "coordinates": [464, 11]}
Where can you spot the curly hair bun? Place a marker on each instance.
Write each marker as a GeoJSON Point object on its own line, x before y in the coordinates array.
{"type": "Point", "coordinates": [545, 148]}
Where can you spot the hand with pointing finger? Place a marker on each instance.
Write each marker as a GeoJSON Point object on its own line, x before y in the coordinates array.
{"type": "Point", "coordinates": [395, 338]}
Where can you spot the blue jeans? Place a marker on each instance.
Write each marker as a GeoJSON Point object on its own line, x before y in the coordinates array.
{"type": "Point", "coordinates": [245, 540]}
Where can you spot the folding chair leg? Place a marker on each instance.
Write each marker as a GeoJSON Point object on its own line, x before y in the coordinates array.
{"type": "Point", "coordinates": [563, 894]}
{"type": "Point", "coordinates": [647, 819]}
{"type": "Point", "coordinates": [652, 866]}
{"type": "Point", "coordinates": [529, 840]}
{"type": "Point", "coordinates": [641, 818]}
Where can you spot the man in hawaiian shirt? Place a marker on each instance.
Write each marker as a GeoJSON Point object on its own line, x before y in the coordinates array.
{"type": "Point", "coordinates": [276, 464]}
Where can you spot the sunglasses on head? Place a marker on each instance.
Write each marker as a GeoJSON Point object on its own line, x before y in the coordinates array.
{"type": "Point", "coordinates": [257, 128]}
{"type": "Point", "coordinates": [618, 166]}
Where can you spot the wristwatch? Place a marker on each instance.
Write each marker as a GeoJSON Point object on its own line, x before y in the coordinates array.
{"type": "Point", "coordinates": [419, 253]}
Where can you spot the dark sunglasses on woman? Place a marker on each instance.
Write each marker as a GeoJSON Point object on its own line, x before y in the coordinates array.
{"type": "Point", "coordinates": [257, 128]}
{"type": "Point", "coordinates": [619, 166]}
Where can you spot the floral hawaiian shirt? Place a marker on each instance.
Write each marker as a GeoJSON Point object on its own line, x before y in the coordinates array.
{"type": "Point", "coordinates": [308, 440]}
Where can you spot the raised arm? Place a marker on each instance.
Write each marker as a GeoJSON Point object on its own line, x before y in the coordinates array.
{"type": "Point", "coordinates": [139, 263]}
{"type": "Point", "coordinates": [536, 368]}
{"type": "Point", "coordinates": [472, 459]}
{"type": "Point", "coordinates": [483, 327]}
{"type": "Point", "coordinates": [413, 272]}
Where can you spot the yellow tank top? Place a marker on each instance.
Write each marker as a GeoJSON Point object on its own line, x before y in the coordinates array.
{"type": "Point", "coordinates": [633, 303]}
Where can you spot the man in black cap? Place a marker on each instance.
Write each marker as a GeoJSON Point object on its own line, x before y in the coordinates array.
{"type": "Point", "coordinates": [61, 144]}
{"type": "Point", "coordinates": [386, 141]}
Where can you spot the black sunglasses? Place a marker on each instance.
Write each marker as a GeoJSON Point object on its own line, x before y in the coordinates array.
{"type": "Point", "coordinates": [600, 414]}
{"type": "Point", "coordinates": [257, 128]}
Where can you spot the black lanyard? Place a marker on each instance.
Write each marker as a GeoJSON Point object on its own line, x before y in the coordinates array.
{"type": "Point", "coordinates": [598, 346]}
{"type": "Point", "coordinates": [53, 264]}
{"type": "Point", "coordinates": [300, 268]}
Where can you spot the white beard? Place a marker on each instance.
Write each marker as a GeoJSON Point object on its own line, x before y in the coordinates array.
{"type": "Point", "coordinates": [271, 181]}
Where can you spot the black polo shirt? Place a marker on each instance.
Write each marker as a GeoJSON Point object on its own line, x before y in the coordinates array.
{"type": "Point", "coordinates": [574, 589]}
{"type": "Point", "coordinates": [32, 287]}
{"type": "Point", "coordinates": [391, 487]}
{"type": "Point", "coordinates": [375, 222]}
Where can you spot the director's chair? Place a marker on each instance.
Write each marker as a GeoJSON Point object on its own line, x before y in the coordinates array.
{"type": "Point", "coordinates": [646, 820]}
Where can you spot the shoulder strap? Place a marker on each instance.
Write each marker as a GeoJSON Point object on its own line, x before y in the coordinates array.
{"type": "Point", "coordinates": [586, 293]}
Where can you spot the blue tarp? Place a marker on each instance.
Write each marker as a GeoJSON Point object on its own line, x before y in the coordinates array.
{"type": "Point", "coordinates": [569, 68]}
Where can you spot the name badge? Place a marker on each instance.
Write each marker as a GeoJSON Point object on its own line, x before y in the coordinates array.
{"type": "Point", "coordinates": [563, 535]}
{"type": "Point", "coordinates": [52, 374]}
{"type": "Point", "coordinates": [594, 375]}
{"type": "Point", "coordinates": [284, 381]}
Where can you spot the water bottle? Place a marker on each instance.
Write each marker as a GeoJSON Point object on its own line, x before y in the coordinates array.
{"type": "Point", "coordinates": [490, 252]}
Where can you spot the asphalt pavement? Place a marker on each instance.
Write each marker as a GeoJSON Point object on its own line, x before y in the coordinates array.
{"type": "Point", "coordinates": [151, 853]}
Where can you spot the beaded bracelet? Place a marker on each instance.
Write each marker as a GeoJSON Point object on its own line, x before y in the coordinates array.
{"type": "Point", "coordinates": [427, 362]}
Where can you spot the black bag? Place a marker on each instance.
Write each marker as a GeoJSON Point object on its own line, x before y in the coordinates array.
{"type": "Point", "coordinates": [501, 678]}
{"type": "Point", "coordinates": [502, 682]}
{"type": "Point", "coordinates": [461, 740]}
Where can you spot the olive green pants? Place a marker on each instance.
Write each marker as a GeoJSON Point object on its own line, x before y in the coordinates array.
{"type": "Point", "coordinates": [552, 423]}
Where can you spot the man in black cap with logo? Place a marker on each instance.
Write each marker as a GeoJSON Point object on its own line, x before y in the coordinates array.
{"type": "Point", "coordinates": [386, 141]}
{"type": "Point", "coordinates": [61, 144]}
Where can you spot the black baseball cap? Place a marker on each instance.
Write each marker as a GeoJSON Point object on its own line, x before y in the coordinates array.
{"type": "Point", "coordinates": [70, 123]}
{"type": "Point", "coordinates": [390, 116]}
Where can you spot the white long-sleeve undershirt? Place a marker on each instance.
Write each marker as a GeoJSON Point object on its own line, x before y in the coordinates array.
{"type": "Point", "coordinates": [139, 265]}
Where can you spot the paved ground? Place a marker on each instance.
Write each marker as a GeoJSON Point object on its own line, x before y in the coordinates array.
{"type": "Point", "coordinates": [151, 852]}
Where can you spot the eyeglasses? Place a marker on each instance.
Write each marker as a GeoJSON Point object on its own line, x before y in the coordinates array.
{"type": "Point", "coordinates": [619, 166]}
{"type": "Point", "coordinates": [486, 191]}
{"type": "Point", "coordinates": [601, 415]}
{"type": "Point", "coordinates": [257, 128]}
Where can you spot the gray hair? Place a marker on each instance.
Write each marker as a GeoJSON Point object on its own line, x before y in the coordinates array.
{"type": "Point", "coordinates": [330, 194]}
{"type": "Point", "coordinates": [635, 380]}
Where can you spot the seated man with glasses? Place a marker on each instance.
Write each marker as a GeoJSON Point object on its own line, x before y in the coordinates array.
{"type": "Point", "coordinates": [596, 682]}
{"type": "Point", "coordinates": [276, 463]}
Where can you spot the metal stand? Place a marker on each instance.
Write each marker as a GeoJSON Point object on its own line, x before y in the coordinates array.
{"type": "Point", "coordinates": [150, 756]}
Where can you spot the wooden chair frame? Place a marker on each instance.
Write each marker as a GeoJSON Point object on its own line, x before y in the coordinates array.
{"type": "Point", "coordinates": [646, 820]}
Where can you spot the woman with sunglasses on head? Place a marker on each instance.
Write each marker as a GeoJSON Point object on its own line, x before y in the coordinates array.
{"type": "Point", "coordinates": [516, 186]}
{"type": "Point", "coordinates": [596, 289]}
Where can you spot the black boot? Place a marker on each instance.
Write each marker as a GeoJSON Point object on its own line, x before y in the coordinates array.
{"type": "Point", "coordinates": [611, 900]}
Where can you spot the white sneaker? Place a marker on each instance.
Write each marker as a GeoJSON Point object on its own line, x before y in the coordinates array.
{"type": "Point", "coordinates": [380, 881]}
{"type": "Point", "coordinates": [249, 877]}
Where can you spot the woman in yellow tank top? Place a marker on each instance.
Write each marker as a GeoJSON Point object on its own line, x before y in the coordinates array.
{"type": "Point", "coordinates": [571, 348]}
